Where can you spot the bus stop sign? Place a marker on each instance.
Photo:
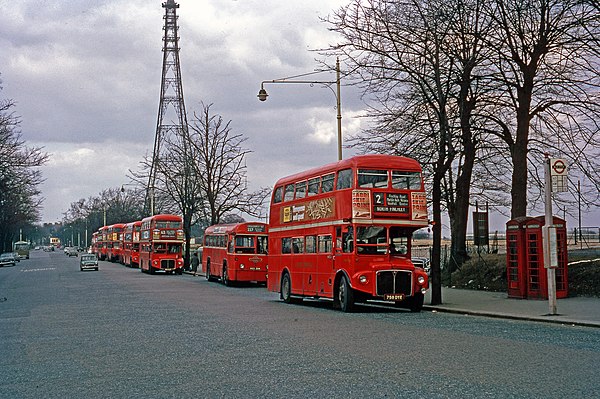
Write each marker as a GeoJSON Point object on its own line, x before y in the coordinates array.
{"type": "Point", "coordinates": [558, 167]}
{"type": "Point", "coordinates": [558, 173]}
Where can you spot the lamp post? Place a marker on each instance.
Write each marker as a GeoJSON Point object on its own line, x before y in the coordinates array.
{"type": "Point", "coordinates": [262, 95]}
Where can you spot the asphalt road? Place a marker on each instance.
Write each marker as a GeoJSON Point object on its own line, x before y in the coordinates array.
{"type": "Point", "coordinates": [119, 333]}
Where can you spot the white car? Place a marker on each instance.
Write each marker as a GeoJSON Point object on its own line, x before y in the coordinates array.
{"type": "Point", "coordinates": [8, 258]}
{"type": "Point", "coordinates": [88, 261]}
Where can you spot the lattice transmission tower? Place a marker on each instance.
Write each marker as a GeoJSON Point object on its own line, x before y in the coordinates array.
{"type": "Point", "coordinates": [172, 119]}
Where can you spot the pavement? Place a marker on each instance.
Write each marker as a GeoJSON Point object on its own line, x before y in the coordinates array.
{"type": "Point", "coordinates": [579, 311]}
{"type": "Point", "coordinates": [576, 311]}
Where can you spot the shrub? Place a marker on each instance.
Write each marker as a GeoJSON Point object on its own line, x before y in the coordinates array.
{"type": "Point", "coordinates": [488, 272]}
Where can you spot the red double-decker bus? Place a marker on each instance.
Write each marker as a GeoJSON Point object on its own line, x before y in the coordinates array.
{"type": "Point", "coordinates": [236, 252]}
{"type": "Point", "coordinates": [102, 243]}
{"type": "Point", "coordinates": [94, 245]}
{"type": "Point", "coordinates": [131, 244]}
{"type": "Point", "coordinates": [114, 240]}
{"type": "Point", "coordinates": [343, 231]}
{"type": "Point", "coordinates": [161, 241]}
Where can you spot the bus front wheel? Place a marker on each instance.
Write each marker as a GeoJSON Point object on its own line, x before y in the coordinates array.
{"type": "Point", "coordinates": [416, 303]}
{"type": "Point", "coordinates": [345, 295]}
{"type": "Point", "coordinates": [225, 276]}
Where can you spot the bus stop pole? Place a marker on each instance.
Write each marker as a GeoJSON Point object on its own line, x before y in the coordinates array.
{"type": "Point", "coordinates": [550, 271]}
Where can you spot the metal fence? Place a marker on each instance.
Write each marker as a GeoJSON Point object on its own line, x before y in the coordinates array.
{"type": "Point", "coordinates": [586, 237]}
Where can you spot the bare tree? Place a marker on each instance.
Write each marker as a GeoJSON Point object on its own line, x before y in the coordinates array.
{"type": "Point", "coordinates": [20, 199]}
{"type": "Point", "coordinates": [415, 60]}
{"type": "Point", "coordinates": [220, 169]}
{"type": "Point", "coordinates": [201, 174]}
{"type": "Point", "coordinates": [546, 75]}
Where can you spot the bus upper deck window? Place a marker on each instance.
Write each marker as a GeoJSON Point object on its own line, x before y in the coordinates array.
{"type": "Point", "coordinates": [313, 186]}
{"type": "Point", "coordinates": [372, 178]}
{"type": "Point", "coordinates": [406, 180]}
{"type": "Point", "coordinates": [301, 189]}
{"type": "Point", "coordinates": [278, 196]}
{"type": "Point", "coordinates": [344, 179]}
{"type": "Point", "coordinates": [289, 192]}
{"type": "Point", "coordinates": [327, 183]}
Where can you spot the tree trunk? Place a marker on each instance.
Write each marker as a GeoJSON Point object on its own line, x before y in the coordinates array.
{"type": "Point", "coordinates": [520, 149]}
{"type": "Point", "coordinates": [436, 277]}
{"type": "Point", "coordinates": [460, 212]}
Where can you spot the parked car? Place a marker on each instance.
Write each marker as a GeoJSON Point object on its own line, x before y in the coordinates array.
{"type": "Point", "coordinates": [88, 261]}
{"type": "Point", "coordinates": [8, 258]}
{"type": "Point", "coordinates": [423, 263]}
{"type": "Point", "coordinates": [71, 251]}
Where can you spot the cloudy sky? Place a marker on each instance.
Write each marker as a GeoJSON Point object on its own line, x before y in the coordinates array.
{"type": "Point", "coordinates": [86, 78]}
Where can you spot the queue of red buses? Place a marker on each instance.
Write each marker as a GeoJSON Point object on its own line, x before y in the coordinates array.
{"type": "Point", "coordinates": [343, 231]}
{"type": "Point", "coordinates": [154, 243]}
{"type": "Point", "coordinates": [161, 242]}
{"type": "Point", "coordinates": [236, 252]}
{"type": "Point", "coordinates": [131, 244]}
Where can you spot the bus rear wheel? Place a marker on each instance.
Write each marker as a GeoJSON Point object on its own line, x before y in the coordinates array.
{"type": "Point", "coordinates": [345, 295]}
{"type": "Point", "coordinates": [208, 276]}
{"type": "Point", "coordinates": [286, 288]}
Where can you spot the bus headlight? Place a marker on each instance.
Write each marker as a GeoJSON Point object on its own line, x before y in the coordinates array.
{"type": "Point", "coordinates": [363, 279]}
{"type": "Point", "coordinates": [421, 280]}
{"type": "Point", "coordinates": [242, 266]}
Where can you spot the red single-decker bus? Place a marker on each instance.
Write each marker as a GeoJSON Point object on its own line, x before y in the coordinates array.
{"type": "Point", "coordinates": [161, 241]}
{"type": "Point", "coordinates": [343, 231]}
{"type": "Point", "coordinates": [236, 252]}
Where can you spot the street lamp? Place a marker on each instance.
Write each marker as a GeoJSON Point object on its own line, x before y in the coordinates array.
{"type": "Point", "coordinates": [262, 95]}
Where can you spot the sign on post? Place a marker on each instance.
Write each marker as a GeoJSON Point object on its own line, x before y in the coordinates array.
{"type": "Point", "coordinates": [558, 173]}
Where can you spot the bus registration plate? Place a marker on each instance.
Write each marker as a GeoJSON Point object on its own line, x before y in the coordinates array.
{"type": "Point", "coordinates": [393, 297]}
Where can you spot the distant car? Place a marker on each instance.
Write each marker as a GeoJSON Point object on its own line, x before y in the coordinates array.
{"type": "Point", "coordinates": [71, 251]}
{"type": "Point", "coordinates": [17, 256]}
{"type": "Point", "coordinates": [88, 261]}
{"type": "Point", "coordinates": [423, 263]}
{"type": "Point", "coordinates": [8, 258]}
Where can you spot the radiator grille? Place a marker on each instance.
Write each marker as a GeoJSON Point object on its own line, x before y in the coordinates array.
{"type": "Point", "coordinates": [394, 282]}
{"type": "Point", "coordinates": [167, 264]}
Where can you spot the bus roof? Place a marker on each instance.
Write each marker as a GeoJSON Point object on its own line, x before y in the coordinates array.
{"type": "Point", "coordinates": [235, 227]}
{"type": "Point", "coordinates": [370, 161]}
{"type": "Point", "coordinates": [163, 217]}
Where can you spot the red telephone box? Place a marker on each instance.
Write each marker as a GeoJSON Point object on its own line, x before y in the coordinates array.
{"type": "Point", "coordinates": [527, 277]}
